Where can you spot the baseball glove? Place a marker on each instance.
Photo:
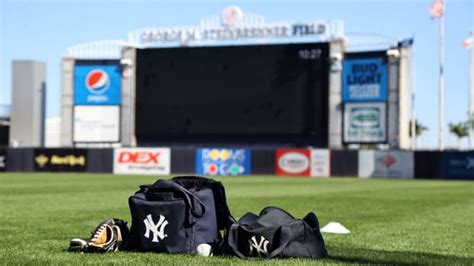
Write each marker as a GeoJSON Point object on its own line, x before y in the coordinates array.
{"type": "Point", "coordinates": [109, 235]}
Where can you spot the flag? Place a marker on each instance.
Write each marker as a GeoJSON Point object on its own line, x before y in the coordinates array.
{"type": "Point", "coordinates": [467, 43]}
{"type": "Point", "coordinates": [436, 9]}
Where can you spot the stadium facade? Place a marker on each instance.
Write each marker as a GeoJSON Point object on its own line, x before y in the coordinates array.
{"type": "Point", "coordinates": [235, 79]}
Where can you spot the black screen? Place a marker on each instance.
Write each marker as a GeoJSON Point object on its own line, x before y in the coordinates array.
{"type": "Point", "coordinates": [265, 92]}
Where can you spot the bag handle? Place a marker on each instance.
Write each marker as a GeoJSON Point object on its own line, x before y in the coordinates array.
{"type": "Point", "coordinates": [284, 241]}
{"type": "Point", "coordinates": [224, 217]}
{"type": "Point", "coordinates": [197, 207]}
{"type": "Point", "coordinates": [233, 235]}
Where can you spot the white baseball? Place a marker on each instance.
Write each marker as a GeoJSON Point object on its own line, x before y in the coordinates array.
{"type": "Point", "coordinates": [204, 250]}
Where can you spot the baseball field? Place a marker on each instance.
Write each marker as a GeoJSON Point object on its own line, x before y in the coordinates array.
{"type": "Point", "coordinates": [391, 221]}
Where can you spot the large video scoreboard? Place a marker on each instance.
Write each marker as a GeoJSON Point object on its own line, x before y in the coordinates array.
{"type": "Point", "coordinates": [264, 93]}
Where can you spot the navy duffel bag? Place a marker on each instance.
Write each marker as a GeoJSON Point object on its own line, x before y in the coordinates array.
{"type": "Point", "coordinates": [178, 215]}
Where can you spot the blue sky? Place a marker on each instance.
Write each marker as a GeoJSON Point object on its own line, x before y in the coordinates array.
{"type": "Point", "coordinates": [43, 29]}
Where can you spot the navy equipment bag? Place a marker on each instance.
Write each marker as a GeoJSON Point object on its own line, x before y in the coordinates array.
{"type": "Point", "coordinates": [176, 216]}
{"type": "Point", "coordinates": [275, 233]}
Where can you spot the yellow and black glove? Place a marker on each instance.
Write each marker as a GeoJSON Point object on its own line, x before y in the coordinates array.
{"type": "Point", "coordinates": [109, 235]}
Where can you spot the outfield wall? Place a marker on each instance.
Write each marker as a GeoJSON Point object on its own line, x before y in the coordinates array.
{"type": "Point", "coordinates": [318, 163]}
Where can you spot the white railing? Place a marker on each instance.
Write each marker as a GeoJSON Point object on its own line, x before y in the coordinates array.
{"type": "Point", "coordinates": [107, 49]}
{"type": "Point", "coordinates": [362, 41]}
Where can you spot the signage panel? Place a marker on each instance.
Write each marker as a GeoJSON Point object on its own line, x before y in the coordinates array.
{"type": "Point", "coordinates": [60, 160]}
{"type": "Point", "coordinates": [399, 164]}
{"type": "Point", "coordinates": [320, 163]}
{"type": "Point", "coordinates": [233, 24]}
{"type": "Point", "coordinates": [223, 161]}
{"type": "Point", "coordinates": [458, 165]}
{"type": "Point", "coordinates": [364, 80]}
{"type": "Point", "coordinates": [145, 161]}
{"type": "Point", "coordinates": [97, 85]}
{"type": "Point", "coordinates": [96, 123]}
{"type": "Point", "coordinates": [3, 159]}
{"type": "Point", "coordinates": [365, 123]}
{"type": "Point", "coordinates": [293, 162]}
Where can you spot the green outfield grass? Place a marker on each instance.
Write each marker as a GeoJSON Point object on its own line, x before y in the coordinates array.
{"type": "Point", "coordinates": [391, 221]}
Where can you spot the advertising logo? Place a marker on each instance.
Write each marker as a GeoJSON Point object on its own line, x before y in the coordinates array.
{"type": "Point", "coordinates": [232, 15]}
{"type": "Point", "coordinates": [365, 122]}
{"type": "Point", "coordinates": [365, 117]}
{"type": "Point", "coordinates": [387, 161]}
{"type": "Point", "coordinates": [3, 160]}
{"type": "Point", "coordinates": [60, 160]}
{"type": "Point", "coordinates": [295, 162]}
{"type": "Point", "coordinates": [458, 165]}
{"type": "Point", "coordinates": [142, 161]}
{"type": "Point", "coordinates": [320, 163]}
{"type": "Point", "coordinates": [218, 161]}
{"type": "Point", "coordinates": [68, 160]}
{"type": "Point", "coordinates": [97, 85]}
{"type": "Point", "coordinates": [364, 80]}
{"type": "Point", "coordinates": [97, 81]}
{"type": "Point", "coordinates": [467, 163]}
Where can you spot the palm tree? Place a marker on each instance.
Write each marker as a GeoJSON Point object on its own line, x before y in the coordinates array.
{"type": "Point", "coordinates": [460, 129]}
{"type": "Point", "coordinates": [419, 128]}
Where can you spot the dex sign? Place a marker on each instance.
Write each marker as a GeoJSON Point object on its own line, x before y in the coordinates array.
{"type": "Point", "coordinates": [152, 161]}
{"type": "Point", "coordinates": [365, 123]}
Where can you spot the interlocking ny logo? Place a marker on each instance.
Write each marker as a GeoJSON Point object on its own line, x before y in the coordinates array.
{"type": "Point", "coordinates": [157, 229]}
{"type": "Point", "coordinates": [259, 247]}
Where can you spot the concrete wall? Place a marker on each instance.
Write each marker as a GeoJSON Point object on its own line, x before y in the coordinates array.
{"type": "Point", "coordinates": [28, 103]}
{"type": "Point", "coordinates": [336, 54]}
{"type": "Point", "coordinates": [67, 98]}
{"type": "Point", "coordinates": [404, 100]}
{"type": "Point", "coordinates": [128, 98]}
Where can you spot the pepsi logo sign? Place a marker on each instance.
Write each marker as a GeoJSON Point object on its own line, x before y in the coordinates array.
{"type": "Point", "coordinates": [97, 81]}
{"type": "Point", "coordinates": [294, 163]}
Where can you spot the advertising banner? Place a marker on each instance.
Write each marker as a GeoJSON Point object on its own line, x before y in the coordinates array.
{"type": "Point", "coordinates": [293, 162]}
{"type": "Point", "coordinates": [345, 163]}
{"type": "Point", "coordinates": [428, 164]}
{"type": "Point", "coordinates": [96, 123]}
{"type": "Point", "coordinates": [222, 161]}
{"type": "Point", "coordinates": [374, 163]}
{"type": "Point", "coordinates": [365, 123]}
{"type": "Point", "coordinates": [320, 163]}
{"type": "Point", "coordinates": [145, 161]}
{"type": "Point", "coordinates": [458, 165]}
{"type": "Point", "coordinates": [364, 80]}
{"type": "Point", "coordinates": [97, 85]}
{"type": "Point", "coordinates": [3, 159]}
{"type": "Point", "coordinates": [60, 160]}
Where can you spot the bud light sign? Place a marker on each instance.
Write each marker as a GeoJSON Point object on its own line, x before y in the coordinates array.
{"type": "Point", "coordinates": [219, 161]}
{"type": "Point", "coordinates": [364, 80]}
{"type": "Point", "coordinates": [97, 85]}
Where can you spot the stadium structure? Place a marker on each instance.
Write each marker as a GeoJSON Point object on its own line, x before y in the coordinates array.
{"type": "Point", "coordinates": [237, 79]}
{"type": "Point", "coordinates": [237, 95]}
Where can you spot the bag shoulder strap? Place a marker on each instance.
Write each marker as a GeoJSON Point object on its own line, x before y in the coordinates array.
{"type": "Point", "coordinates": [197, 207]}
{"type": "Point", "coordinates": [224, 217]}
